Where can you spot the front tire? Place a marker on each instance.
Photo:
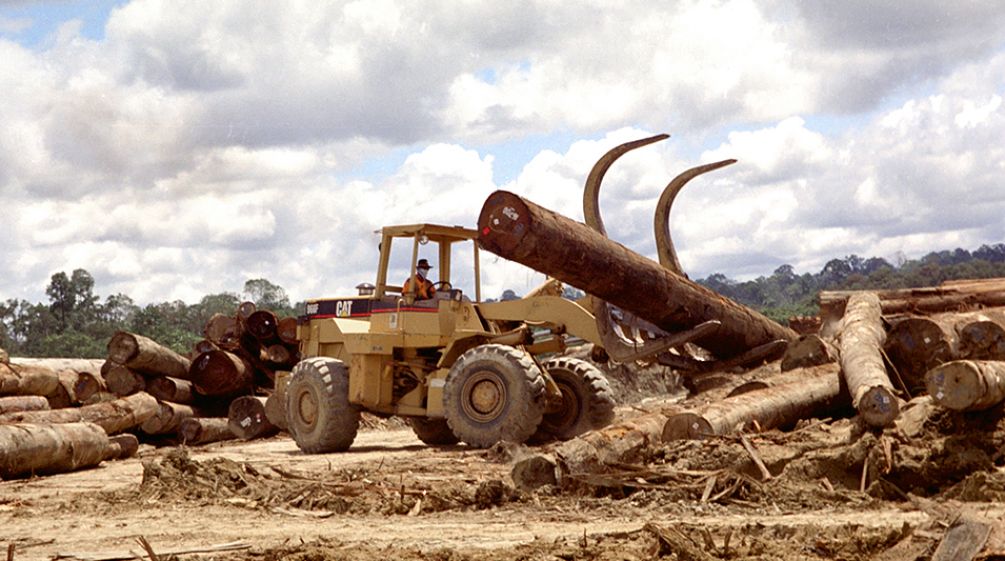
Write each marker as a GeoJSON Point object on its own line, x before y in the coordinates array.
{"type": "Point", "coordinates": [587, 400]}
{"type": "Point", "coordinates": [318, 411]}
{"type": "Point", "coordinates": [434, 432]}
{"type": "Point", "coordinates": [493, 393]}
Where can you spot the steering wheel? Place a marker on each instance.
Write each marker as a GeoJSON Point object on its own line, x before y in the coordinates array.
{"type": "Point", "coordinates": [442, 285]}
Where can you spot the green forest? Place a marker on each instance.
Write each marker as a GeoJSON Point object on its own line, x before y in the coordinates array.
{"type": "Point", "coordinates": [75, 322]}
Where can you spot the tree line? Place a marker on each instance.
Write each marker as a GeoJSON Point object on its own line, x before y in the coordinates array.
{"type": "Point", "coordinates": [785, 294]}
{"type": "Point", "coordinates": [77, 323]}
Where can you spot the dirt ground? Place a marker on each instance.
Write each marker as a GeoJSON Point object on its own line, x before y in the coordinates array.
{"type": "Point", "coordinates": [938, 486]}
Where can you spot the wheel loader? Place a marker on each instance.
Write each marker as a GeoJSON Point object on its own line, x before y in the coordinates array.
{"type": "Point", "coordinates": [457, 368]}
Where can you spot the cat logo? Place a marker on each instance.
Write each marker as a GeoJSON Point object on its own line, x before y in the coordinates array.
{"type": "Point", "coordinates": [343, 308]}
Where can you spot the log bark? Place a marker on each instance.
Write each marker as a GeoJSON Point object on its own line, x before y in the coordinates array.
{"type": "Point", "coordinates": [29, 449]}
{"type": "Point", "coordinates": [113, 416]}
{"type": "Point", "coordinates": [88, 385]}
{"type": "Point", "coordinates": [16, 403]}
{"type": "Point", "coordinates": [817, 392]}
{"type": "Point", "coordinates": [221, 373]}
{"type": "Point", "coordinates": [168, 418]}
{"type": "Point", "coordinates": [146, 355]}
{"type": "Point", "coordinates": [861, 343]}
{"type": "Point", "coordinates": [29, 379]}
{"type": "Point", "coordinates": [967, 385]}
{"type": "Point", "coordinates": [808, 350]}
{"type": "Point", "coordinates": [78, 365]}
{"type": "Point", "coordinates": [170, 389]}
{"type": "Point", "coordinates": [203, 430]}
{"type": "Point", "coordinates": [248, 420]}
{"type": "Point", "coordinates": [522, 231]}
{"type": "Point", "coordinates": [948, 297]}
{"type": "Point", "coordinates": [122, 380]}
{"type": "Point", "coordinates": [275, 405]}
{"type": "Point", "coordinates": [287, 330]}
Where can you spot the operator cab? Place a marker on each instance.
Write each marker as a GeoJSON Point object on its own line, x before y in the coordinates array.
{"type": "Point", "coordinates": [425, 242]}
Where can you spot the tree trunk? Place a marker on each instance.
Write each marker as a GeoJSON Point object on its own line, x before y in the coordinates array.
{"type": "Point", "coordinates": [28, 379]}
{"type": "Point", "coordinates": [88, 385]}
{"type": "Point", "coordinates": [967, 385]}
{"type": "Point", "coordinates": [16, 403]}
{"type": "Point", "coordinates": [816, 392]}
{"type": "Point", "coordinates": [808, 350]}
{"type": "Point", "coordinates": [263, 325]}
{"type": "Point", "coordinates": [524, 232]}
{"type": "Point", "coordinates": [170, 389]}
{"type": "Point", "coordinates": [983, 338]}
{"type": "Point", "coordinates": [122, 446]}
{"type": "Point", "coordinates": [221, 373]}
{"type": "Point", "coordinates": [203, 430]}
{"type": "Point", "coordinates": [950, 296]}
{"type": "Point", "coordinates": [78, 365]}
{"type": "Point", "coordinates": [113, 416]}
{"type": "Point", "coordinates": [146, 355]}
{"type": "Point", "coordinates": [29, 449]}
{"type": "Point", "coordinates": [861, 343]}
{"type": "Point", "coordinates": [287, 330]}
{"type": "Point", "coordinates": [122, 380]}
{"type": "Point", "coordinates": [168, 418]}
{"type": "Point", "coordinates": [223, 331]}
{"type": "Point", "coordinates": [275, 405]}
{"type": "Point", "coordinates": [248, 420]}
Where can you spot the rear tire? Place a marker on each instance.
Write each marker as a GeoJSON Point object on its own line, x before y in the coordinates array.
{"type": "Point", "coordinates": [434, 432]}
{"type": "Point", "coordinates": [493, 393]}
{"type": "Point", "coordinates": [318, 411]}
{"type": "Point", "coordinates": [587, 400]}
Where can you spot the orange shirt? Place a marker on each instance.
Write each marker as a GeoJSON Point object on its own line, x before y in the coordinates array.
{"type": "Point", "coordinates": [424, 289]}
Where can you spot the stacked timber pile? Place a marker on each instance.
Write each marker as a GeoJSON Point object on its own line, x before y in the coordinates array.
{"type": "Point", "coordinates": [877, 355]}
{"type": "Point", "coordinates": [65, 414]}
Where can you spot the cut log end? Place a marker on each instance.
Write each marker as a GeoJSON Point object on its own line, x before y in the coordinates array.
{"type": "Point", "coordinates": [878, 406]}
{"type": "Point", "coordinates": [687, 426]}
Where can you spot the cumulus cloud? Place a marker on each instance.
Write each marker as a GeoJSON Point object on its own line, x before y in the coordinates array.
{"type": "Point", "coordinates": [196, 145]}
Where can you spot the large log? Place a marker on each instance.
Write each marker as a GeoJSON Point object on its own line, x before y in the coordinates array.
{"type": "Point", "coordinates": [263, 325]}
{"type": "Point", "coordinates": [522, 231]}
{"type": "Point", "coordinates": [15, 403]}
{"type": "Point", "coordinates": [27, 449]}
{"type": "Point", "coordinates": [950, 296]}
{"type": "Point", "coordinates": [91, 365]}
{"type": "Point", "coordinates": [89, 384]}
{"type": "Point", "coordinates": [967, 385]}
{"type": "Point", "coordinates": [223, 331]}
{"type": "Point", "coordinates": [30, 379]}
{"type": "Point", "coordinates": [247, 418]}
{"type": "Point", "coordinates": [113, 416]}
{"type": "Point", "coordinates": [168, 418]}
{"type": "Point", "coordinates": [122, 380]}
{"type": "Point", "coordinates": [203, 430]}
{"type": "Point", "coordinates": [812, 392]}
{"type": "Point", "coordinates": [221, 373]}
{"type": "Point", "coordinates": [861, 343]}
{"type": "Point", "coordinates": [170, 389]}
{"type": "Point", "coordinates": [146, 355]}
{"type": "Point", "coordinates": [919, 343]}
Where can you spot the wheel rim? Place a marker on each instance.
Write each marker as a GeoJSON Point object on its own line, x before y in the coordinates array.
{"type": "Point", "coordinates": [307, 408]}
{"type": "Point", "coordinates": [484, 396]}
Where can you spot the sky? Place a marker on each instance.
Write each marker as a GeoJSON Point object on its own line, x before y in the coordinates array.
{"type": "Point", "coordinates": [175, 149]}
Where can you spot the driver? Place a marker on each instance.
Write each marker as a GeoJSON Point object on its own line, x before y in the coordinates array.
{"type": "Point", "coordinates": [424, 289]}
